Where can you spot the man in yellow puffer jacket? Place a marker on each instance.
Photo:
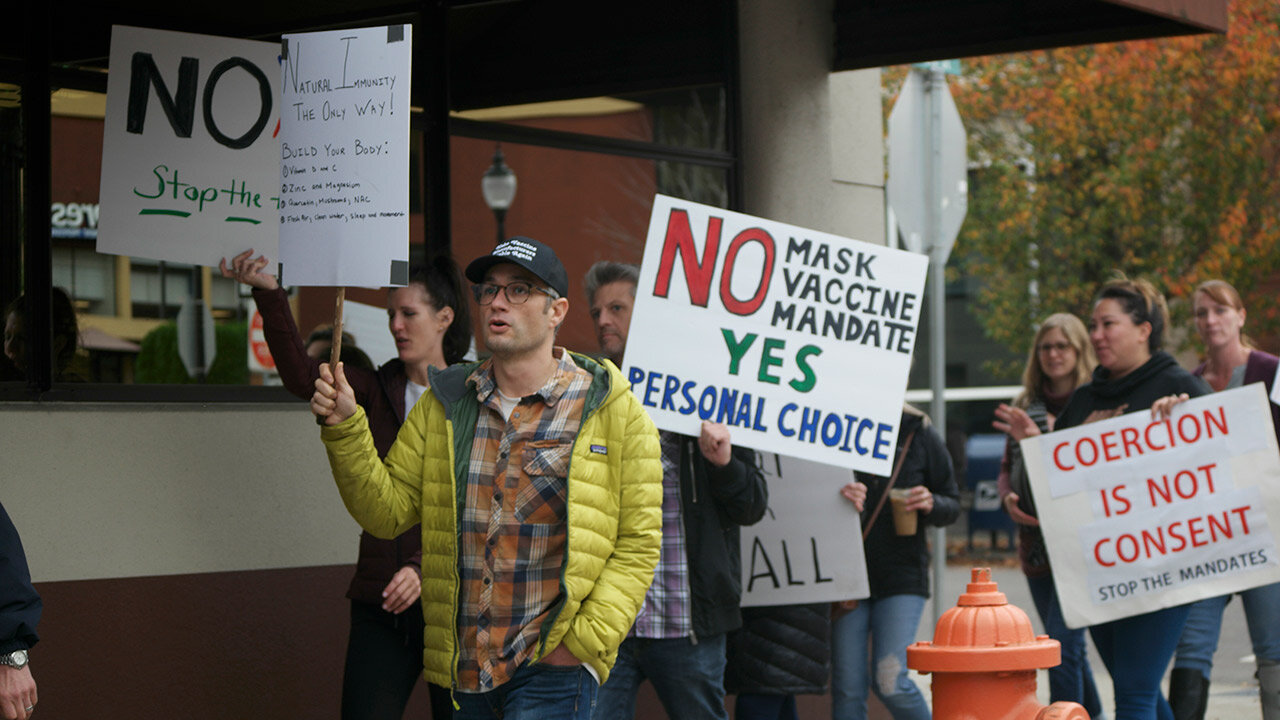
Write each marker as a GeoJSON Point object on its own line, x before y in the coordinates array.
{"type": "Point", "coordinates": [537, 481]}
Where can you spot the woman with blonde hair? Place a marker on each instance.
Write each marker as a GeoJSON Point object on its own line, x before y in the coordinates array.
{"type": "Point", "coordinates": [1126, 329]}
{"type": "Point", "coordinates": [1230, 361]}
{"type": "Point", "coordinates": [1061, 359]}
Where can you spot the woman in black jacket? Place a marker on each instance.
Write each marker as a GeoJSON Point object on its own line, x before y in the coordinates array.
{"type": "Point", "coordinates": [1126, 330]}
{"type": "Point", "coordinates": [898, 572]}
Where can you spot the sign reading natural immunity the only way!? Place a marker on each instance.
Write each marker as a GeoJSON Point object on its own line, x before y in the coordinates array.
{"type": "Point", "coordinates": [799, 340]}
{"type": "Point", "coordinates": [344, 157]}
{"type": "Point", "coordinates": [1140, 514]}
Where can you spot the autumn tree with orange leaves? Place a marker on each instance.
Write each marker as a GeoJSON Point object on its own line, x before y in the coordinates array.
{"type": "Point", "coordinates": [1158, 158]}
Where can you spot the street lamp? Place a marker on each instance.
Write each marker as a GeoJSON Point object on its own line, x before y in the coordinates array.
{"type": "Point", "coordinates": [499, 188]}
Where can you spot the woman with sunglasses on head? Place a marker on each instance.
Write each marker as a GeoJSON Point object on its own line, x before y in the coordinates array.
{"type": "Point", "coordinates": [1061, 359]}
{"type": "Point", "coordinates": [1126, 329]}
{"type": "Point", "coordinates": [429, 320]}
{"type": "Point", "coordinates": [1231, 361]}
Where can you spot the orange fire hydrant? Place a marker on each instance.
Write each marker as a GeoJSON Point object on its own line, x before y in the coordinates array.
{"type": "Point", "coordinates": [984, 658]}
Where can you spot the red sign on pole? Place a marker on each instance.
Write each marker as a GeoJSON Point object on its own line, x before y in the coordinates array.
{"type": "Point", "coordinates": [260, 359]}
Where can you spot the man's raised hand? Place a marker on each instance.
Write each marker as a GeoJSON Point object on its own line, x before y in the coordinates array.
{"type": "Point", "coordinates": [334, 400]}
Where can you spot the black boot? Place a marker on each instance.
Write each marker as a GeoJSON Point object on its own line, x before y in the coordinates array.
{"type": "Point", "coordinates": [1188, 694]}
{"type": "Point", "coordinates": [1269, 687]}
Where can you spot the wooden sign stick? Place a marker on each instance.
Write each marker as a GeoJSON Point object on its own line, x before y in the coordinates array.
{"type": "Point", "coordinates": [335, 350]}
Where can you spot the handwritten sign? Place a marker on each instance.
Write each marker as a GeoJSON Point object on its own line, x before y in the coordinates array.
{"type": "Point", "coordinates": [1140, 514]}
{"type": "Point", "coordinates": [344, 157]}
{"type": "Point", "coordinates": [808, 547]}
{"type": "Point", "coordinates": [799, 340]}
{"type": "Point", "coordinates": [189, 151]}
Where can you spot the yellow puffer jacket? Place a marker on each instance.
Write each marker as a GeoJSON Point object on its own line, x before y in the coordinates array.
{"type": "Point", "coordinates": [614, 501]}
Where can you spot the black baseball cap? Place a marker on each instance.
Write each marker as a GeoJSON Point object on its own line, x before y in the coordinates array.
{"type": "Point", "coordinates": [529, 254]}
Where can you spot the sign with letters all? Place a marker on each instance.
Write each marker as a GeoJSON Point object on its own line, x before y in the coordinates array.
{"type": "Point", "coordinates": [344, 157]}
{"type": "Point", "coordinates": [189, 158]}
{"type": "Point", "coordinates": [799, 340]}
{"type": "Point", "coordinates": [808, 547]}
{"type": "Point", "coordinates": [1140, 514]}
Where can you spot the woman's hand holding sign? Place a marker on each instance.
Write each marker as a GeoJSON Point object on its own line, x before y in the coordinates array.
{"type": "Point", "coordinates": [1163, 407]}
{"type": "Point", "coordinates": [856, 493]}
{"type": "Point", "coordinates": [247, 269]}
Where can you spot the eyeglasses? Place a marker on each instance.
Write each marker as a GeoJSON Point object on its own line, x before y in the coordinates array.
{"type": "Point", "coordinates": [517, 292]}
{"type": "Point", "coordinates": [1047, 348]}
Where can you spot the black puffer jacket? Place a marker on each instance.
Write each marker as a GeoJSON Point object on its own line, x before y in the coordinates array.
{"type": "Point", "coordinates": [899, 565]}
{"type": "Point", "coordinates": [780, 650]}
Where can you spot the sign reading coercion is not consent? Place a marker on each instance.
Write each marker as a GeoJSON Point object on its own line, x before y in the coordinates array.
{"type": "Point", "coordinates": [1140, 514]}
{"type": "Point", "coordinates": [799, 340]}
{"type": "Point", "coordinates": [344, 157]}
{"type": "Point", "coordinates": [189, 148]}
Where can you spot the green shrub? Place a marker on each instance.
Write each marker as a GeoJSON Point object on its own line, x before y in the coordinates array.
{"type": "Point", "coordinates": [159, 363]}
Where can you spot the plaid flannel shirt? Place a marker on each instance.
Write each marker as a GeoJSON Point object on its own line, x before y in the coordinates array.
{"type": "Point", "coordinates": [666, 612]}
{"type": "Point", "coordinates": [513, 522]}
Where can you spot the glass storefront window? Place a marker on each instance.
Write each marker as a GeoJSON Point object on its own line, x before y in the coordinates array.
{"type": "Point", "coordinates": [89, 278]}
{"type": "Point", "coordinates": [587, 176]}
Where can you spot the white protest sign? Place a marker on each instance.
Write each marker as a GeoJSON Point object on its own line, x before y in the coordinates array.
{"type": "Point", "coordinates": [344, 157]}
{"type": "Point", "coordinates": [1141, 514]}
{"type": "Point", "coordinates": [189, 152]}
{"type": "Point", "coordinates": [799, 340]}
{"type": "Point", "coordinates": [808, 546]}
{"type": "Point", "coordinates": [368, 325]}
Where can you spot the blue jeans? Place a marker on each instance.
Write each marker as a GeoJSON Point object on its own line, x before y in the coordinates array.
{"type": "Point", "coordinates": [688, 677]}
{"type": "Point", "coordinates": [887, 625]}
{"type": "Point", "coordinates": [1136, 651]}
{"type": "Point", "coordinates": [1071, 680]}
{"type": "Point", "coordinates": [1204, 625]}
{"type": "Point", "coordinates": [535, 692]}
{"type": "Point", "coordinates": [752, 706]}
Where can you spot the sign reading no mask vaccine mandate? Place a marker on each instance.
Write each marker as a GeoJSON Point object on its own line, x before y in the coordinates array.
{"type": "Point", "coordinates": [798, 340]}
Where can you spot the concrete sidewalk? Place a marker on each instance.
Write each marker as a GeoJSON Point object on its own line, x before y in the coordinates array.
{"type": "Point", "coordinates": [1233, 694]}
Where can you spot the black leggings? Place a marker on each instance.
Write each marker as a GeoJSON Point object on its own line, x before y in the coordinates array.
{"type": "Point", "coordinates": [384, 662]}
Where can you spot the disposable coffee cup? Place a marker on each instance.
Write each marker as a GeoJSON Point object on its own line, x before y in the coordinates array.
{"type": "Point", "coordinates": [904, 520]}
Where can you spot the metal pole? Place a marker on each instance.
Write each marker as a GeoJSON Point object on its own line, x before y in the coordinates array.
{"type": "Point", "coordinates": [197, 307]}
{"type": "Point", "coordinates": [937, 308]}
{"type": "Point", "coordinates": [36, 146]}
{"type": "Point", "coordinates": [163, 294]}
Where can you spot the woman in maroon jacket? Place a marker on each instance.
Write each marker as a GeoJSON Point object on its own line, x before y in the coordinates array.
{"type": "Point", "coordinates": [428, 319]}
{"type": "Point", "coordinates": [1231, 360]}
